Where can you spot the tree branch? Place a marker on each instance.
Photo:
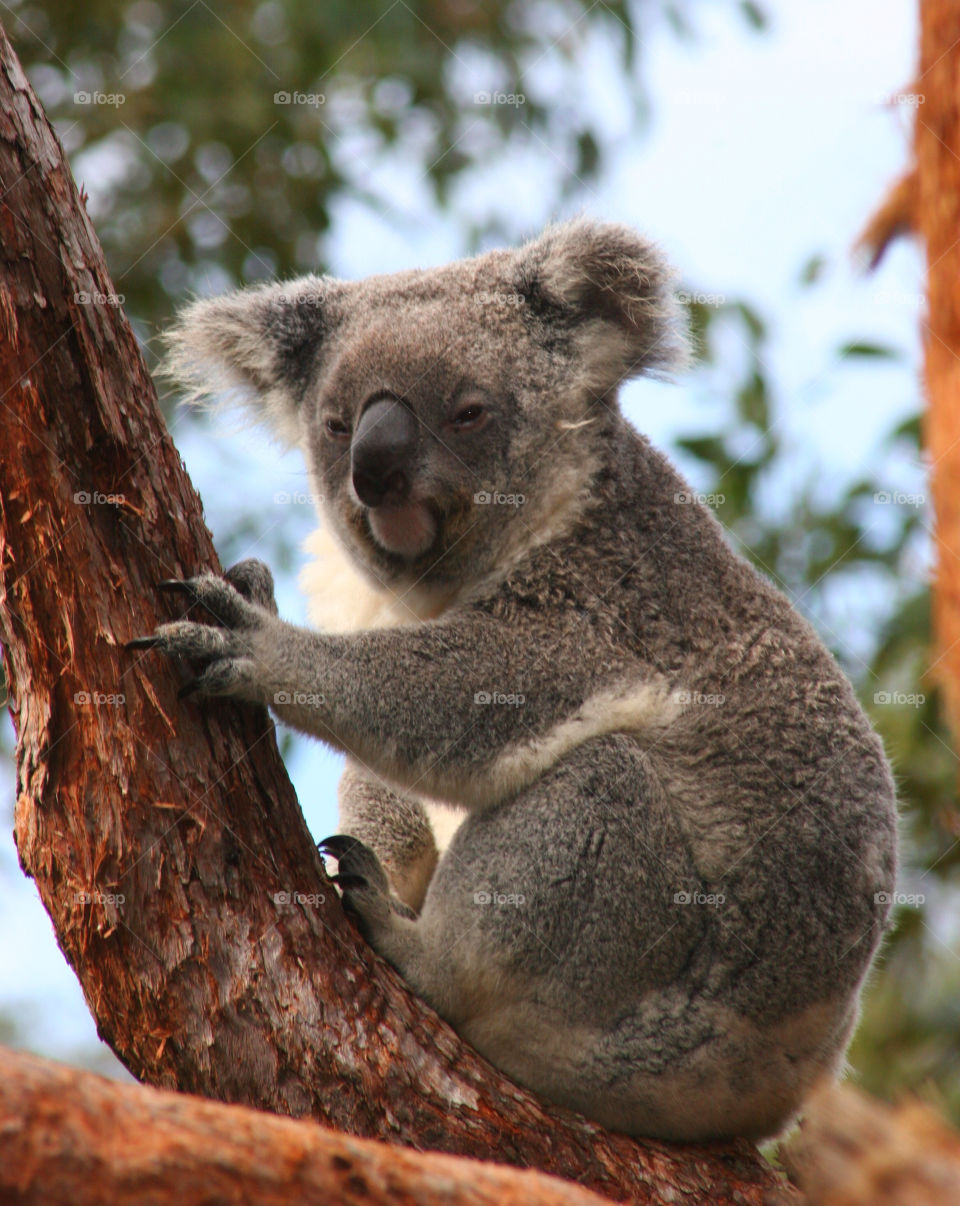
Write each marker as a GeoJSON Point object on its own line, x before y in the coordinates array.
{"type": "Point", "coordinates": [164, 838]}
{"type": "Point", "coordinates": [161, 1147]}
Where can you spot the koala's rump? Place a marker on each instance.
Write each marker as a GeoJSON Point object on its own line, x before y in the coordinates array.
{"type": "Point", "coordinates": [589, 962]}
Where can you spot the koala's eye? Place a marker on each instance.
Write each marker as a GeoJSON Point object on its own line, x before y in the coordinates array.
{"type": "Point", "coordinates": [336, 428]}
{"type": "Point", "coordinates": [470, 416]}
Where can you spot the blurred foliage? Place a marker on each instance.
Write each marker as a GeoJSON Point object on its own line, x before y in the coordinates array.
{"type": "Point", "coordinates": [215, 140]}
{"type": "Point", "coordinates": [205, 175]}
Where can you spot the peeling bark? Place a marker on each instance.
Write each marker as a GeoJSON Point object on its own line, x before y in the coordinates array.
{"type": "Point", "coordinates": [164, 837]}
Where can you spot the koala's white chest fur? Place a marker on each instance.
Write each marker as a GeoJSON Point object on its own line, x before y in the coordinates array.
{"type": "Point", "coordinates": [339, 599]}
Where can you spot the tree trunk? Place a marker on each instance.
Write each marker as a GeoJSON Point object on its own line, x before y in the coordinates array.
{"type": "Point", "coordinates": [164, 837]}
{"type": "Point", "coordinates": [936, 218]}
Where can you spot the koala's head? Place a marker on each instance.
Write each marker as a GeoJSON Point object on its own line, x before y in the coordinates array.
{"type": "Point", "coordinates": [451, 417]}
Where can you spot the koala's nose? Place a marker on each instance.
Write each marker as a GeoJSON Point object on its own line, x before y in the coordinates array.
{"type": "Point", "coordinates": [382, 452]}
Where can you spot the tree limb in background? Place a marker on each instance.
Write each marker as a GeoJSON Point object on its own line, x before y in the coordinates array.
{"type": "Point", "coordinates": [169, 1147]}
{"type": "Point", "coordinates": [165, 839]}
{"type": "Point", "coordinates": [936, 149]}
{"type": "Point", "coordinates": [894, 218]}
{"type": "Point", "coordinates": [853, 1150]}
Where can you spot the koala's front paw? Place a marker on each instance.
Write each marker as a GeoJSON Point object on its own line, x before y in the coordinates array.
{"type": "Point", "coordinates": [239, 609]}
{"type": "Point", "coordinates": [363, 882]}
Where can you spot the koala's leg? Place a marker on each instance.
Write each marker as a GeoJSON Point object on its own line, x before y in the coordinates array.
{"type": "Point", "coordinates": [561, 935]}
{"type": "Point", "coordinates": [549, 915]}
{"type": "Point", "coordinates": [394, 826]}
{"type": "Point", "coordinates": [690, 1070]}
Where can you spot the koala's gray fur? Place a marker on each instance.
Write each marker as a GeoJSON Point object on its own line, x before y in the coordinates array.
{"type": "Point", "coordinates": [679, 827]}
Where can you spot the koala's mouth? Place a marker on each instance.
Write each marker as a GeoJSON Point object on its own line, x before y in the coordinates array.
{"type": "Point", "coordinates": [406, 529]}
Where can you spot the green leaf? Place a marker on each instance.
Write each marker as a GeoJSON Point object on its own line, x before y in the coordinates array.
{"type": "Point", "coordinates": [753, 402]}
{"type": "Point", "coordinates": [872, 351]}
{"type": "Point", "coordinates": [813, 269]}
{"type": "Point", "coordinates": [706, 448]}
{"type": "Point", "coordinates": [910, 430]}
{"type": "Point", "coordinates": [754, 14]}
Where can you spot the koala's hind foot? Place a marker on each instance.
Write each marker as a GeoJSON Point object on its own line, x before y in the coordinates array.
{"type": "Point", "coordinates": [366, 890]}
{"type": "Point", "coordinates": [394, 825]}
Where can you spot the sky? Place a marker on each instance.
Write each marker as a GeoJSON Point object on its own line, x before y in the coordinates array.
{"type": "Point", "coordinates": [761, 151]}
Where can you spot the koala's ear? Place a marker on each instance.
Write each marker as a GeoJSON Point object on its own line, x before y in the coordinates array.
{"type": "Point", "coordinates": [259, 347]}
{"type": "Point", "coordinates": [614, 291]}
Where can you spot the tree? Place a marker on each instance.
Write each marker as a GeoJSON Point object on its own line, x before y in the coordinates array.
{"type": "Point", "coordinates": [188, 1151]}
{"type": "Point", "coordinates": [165, 841]}
{"type": "Point", "coordinates": [211, 175]}
{"type": "Point", "coordinates": [936, 218]}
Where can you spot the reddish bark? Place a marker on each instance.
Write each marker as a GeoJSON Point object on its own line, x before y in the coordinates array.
{"type": "Point", "coordinates": [936, 218]}
{"type": "Point", "coordinates": [74, 1138]}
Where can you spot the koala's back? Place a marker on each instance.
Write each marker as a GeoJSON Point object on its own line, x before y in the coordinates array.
{"type": "Point", "coordinates": [696, 901]}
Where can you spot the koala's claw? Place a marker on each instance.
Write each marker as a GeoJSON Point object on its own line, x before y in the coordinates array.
{"type": "Point", "coordinates": [144, 642]}
{"type": "Point", "coordinates": [180, 585]}
{"type": "Point", "coordinates": [361, 879]}
{"type": "Point", "coordinates": [356, 861]}
{"type": "Point", "coordinates": [224, 643]}
{"type": "Point", "coordinates": [338, 844]}
{"type": "Point", "coordinates": [345, 882]}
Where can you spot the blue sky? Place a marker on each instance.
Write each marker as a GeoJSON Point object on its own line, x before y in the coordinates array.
{"type": "Point", "coordinates": [761, 151]}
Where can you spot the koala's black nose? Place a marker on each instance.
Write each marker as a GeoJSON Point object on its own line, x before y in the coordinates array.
{"type": "Point", "coordinates": [382, 452]}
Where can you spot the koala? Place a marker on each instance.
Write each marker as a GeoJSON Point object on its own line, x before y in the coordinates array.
{"type": "Point", "coordinates": [676, 836]}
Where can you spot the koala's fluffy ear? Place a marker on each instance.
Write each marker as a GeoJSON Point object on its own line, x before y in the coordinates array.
{"type": "Point", "coordinates": [259, 346]}
{"type": "Point", "coordinates": [614, 291]}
